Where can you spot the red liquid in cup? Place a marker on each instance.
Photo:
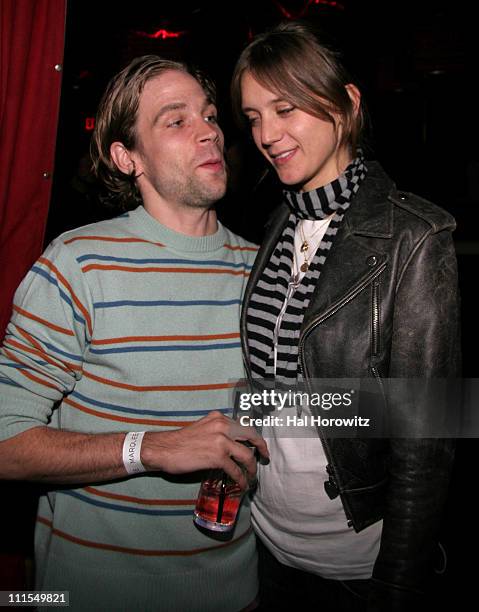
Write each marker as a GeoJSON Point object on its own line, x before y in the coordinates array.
{"type": "Point", "coordinates": [218, 502]}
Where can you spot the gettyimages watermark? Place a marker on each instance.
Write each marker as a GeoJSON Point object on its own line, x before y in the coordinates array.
{"type": "Point", "coordinates": [305, 405]}
{"type": "Point", "coordinates": [361, 408]}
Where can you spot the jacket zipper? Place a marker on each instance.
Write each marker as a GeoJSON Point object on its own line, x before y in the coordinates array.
{"type": "Point", "coordinates": [320, 320]}
{"type": "Point", "coordinates": [375, 319]}
{"type": "Point", "coordinates": [375, 341]}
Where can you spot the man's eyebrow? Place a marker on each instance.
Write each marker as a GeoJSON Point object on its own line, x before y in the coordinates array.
{"type": "Point", "coordinates": [167, 108]}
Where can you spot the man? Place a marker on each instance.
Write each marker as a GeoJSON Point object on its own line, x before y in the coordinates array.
{"type": "Point", "coordinates": [130, 325]}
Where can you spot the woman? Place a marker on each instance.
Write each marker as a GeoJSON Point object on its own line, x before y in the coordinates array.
{"type": "Point", "coordinates": [354, 280]}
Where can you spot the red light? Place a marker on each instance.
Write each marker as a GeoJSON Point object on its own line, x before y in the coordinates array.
{"type": "Point", "coordinates": [330, 3]}
{"type": "Point", "coordinates": [299, 14]}
{"type": "Point", "coordinates": [163, 34]}
{"type": "Point", "coordinates": [89, 124]}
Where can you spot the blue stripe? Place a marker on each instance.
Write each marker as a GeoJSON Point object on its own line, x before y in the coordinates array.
{"type": "Point", "coordinates": [60, 352]}
{"type": "Point", "coordinates": [38, 362]}
{"type": "Point", "coordinates": [166, 303]}
{"type": "Point", "coordinates": [118, 508]}
{"type": "Point", "coordinates": [210, 262]}
{"type": "Point", "coordinates": [17, 366]}
{"type": "Point", "coordinates": [177, 347]}
{"type": "Point", "coordinates": [7, 381]}
{"type": "Point", "coordinates": [136, 411]}
{"type": "Point", "coordinates": [63, 295]}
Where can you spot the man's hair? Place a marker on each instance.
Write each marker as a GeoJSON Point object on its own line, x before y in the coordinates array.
{"type": "Point", "coordinates": [117, 117]}
{"type": "Point", "coordinates": [291, 61]}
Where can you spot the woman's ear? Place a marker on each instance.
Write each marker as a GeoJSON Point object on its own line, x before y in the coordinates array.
{"type": "Point", "coordinates": [355, 96]}
{"type": "Point", "coordinates": [123, 158]}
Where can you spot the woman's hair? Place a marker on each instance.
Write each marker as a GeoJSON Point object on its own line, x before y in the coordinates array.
{"type": "Point", "coordinates": [291, 61]}
{"type": "Point", "coordinates": [116, 121]}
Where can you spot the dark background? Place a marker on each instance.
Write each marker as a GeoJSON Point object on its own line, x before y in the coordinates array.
{"type": "Point", "coordinates": [415, 62]}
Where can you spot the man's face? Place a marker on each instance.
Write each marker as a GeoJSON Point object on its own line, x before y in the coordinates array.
{"type": "Point", "coordinates": [179, 153]}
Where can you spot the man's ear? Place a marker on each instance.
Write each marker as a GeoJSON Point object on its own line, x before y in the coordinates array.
{"type": "Point", "coordinates": [123, 158]}
{"type": "Point", "coordinates": [355, 96]}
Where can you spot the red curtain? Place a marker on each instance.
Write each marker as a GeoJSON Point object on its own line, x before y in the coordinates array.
{"type": "Point", "coordinates": [31, 63]}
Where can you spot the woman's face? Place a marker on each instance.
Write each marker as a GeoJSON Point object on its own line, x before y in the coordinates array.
{"type": "Point", "coordinates": [303, 149]}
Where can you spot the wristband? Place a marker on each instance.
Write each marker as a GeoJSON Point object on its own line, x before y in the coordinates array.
{"type": "Point", "coordinates": [131, 452]}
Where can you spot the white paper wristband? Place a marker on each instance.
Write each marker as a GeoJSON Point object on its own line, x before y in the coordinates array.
{"type": "Point", "coordinates": [132, 451]}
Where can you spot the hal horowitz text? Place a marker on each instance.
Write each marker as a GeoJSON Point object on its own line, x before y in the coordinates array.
{"type": "Point", "coordinates": [304, 421]}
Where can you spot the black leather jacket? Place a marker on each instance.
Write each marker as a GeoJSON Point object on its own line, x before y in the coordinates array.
{"type": "Point", "coordinates": [386, 306]}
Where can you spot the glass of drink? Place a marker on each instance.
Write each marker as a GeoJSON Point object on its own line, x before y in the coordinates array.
{"type": "Point", "coordinates": [218, 502]}
{"type": "Point", "coordinates": [219, 499]}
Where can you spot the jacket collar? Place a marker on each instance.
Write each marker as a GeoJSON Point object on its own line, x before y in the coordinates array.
{"type": "Point", "coordinates": [371, 212]}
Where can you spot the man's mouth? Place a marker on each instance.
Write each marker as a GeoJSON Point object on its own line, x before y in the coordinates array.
{"type": "Point", "coordinates": [213, 163]}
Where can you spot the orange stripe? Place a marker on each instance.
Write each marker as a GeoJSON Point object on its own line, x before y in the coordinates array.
{"type": "Point", "coordinates": [28, 337]}
{"type": "Point", "coordinates": [140, 500]}
{"type": "Point", "coordinates": [60, 277]}
{"type": "Point", "coordinates": [240, 248]}
{"type": "Point", "coordinates": [29, 315]}
{"type": "Point", "coordinates": [113, 383]}
{"type": "Point", "coordinates": [165, 338]}
{"type": "Point", "coordinates": [40, 353]}
{"type": "Point", "coordinates": [137, 551]}
{"type": "Point", "coordinates": [29, 374]}
{"type": "Point", "coordinates": [38, 380]}
{"type": "Point", "coordinates": [111, 417]}
{"type": "Point", "coordinates": [111, 239]}
{"type": "Point", "coordinates": [154, 269]}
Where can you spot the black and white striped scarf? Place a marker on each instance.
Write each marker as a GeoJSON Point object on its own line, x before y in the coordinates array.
{"type": "Point", "coordinates": [275, 286]}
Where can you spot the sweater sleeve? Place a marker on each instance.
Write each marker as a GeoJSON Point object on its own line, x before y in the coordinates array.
{"type": "Point", "coordinates": [43, 351]}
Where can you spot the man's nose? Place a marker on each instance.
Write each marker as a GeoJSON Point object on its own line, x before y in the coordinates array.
{"type": "Point", "coordinates": [208, 132]}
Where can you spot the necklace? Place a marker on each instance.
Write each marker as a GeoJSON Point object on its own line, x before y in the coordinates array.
{"type": "Point", "coordinates": [305, 246]}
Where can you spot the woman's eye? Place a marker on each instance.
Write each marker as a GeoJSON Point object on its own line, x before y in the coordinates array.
{"type": "Point", "coordinates": [211, 119]}
{"type": "Point", "coordinates": [285, 111]}
{"type": "Point", "coordinates": [251, 120]}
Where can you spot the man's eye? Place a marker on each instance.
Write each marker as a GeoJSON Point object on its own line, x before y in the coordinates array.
{"type": "Point", "coordinates": [175, 123]}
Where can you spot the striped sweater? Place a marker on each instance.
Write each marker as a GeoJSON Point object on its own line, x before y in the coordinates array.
{"type": "Point", "coordinates": [125, 325]}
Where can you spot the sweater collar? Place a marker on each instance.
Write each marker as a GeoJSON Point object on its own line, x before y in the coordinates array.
{"type": "Point", "coordinates": [155, 231]}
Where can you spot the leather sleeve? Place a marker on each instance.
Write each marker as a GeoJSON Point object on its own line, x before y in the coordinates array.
{"type": "Point", "coordinates": [425, 345]}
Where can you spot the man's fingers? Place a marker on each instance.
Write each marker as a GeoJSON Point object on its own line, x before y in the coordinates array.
{"type": "Point", "coordinates": [260, 444]}
{"type": "Point", "coordinates": [236, 473]}
{"type": "Point", "coordinates": [244, 432]}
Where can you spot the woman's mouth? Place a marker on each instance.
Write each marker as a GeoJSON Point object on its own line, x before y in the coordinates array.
{"type": "Point", "coordinates": [283, 157]}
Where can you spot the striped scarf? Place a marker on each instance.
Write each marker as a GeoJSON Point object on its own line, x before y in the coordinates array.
{"type": "Point", "coordinates": [276, 286]}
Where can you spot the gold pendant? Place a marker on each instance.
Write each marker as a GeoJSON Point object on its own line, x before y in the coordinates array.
{"type": "Point", "coordinates": [304, 246]}
{"type": "Point", "coordinates": [304, 267]}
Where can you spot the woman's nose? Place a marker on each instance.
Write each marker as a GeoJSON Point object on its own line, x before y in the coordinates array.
{"type": "Point", "coordinates": [270, 132]}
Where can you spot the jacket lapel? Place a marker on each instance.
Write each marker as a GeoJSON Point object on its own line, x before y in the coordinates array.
{"type": "Point", "coordinates": [352, 262]}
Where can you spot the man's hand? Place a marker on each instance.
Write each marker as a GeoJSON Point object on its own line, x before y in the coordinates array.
{"type": "Point", "coordinates": [211, 442]}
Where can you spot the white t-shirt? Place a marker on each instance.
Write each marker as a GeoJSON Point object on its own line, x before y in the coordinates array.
{"type": "Point", "coordinates": [291, 512]}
